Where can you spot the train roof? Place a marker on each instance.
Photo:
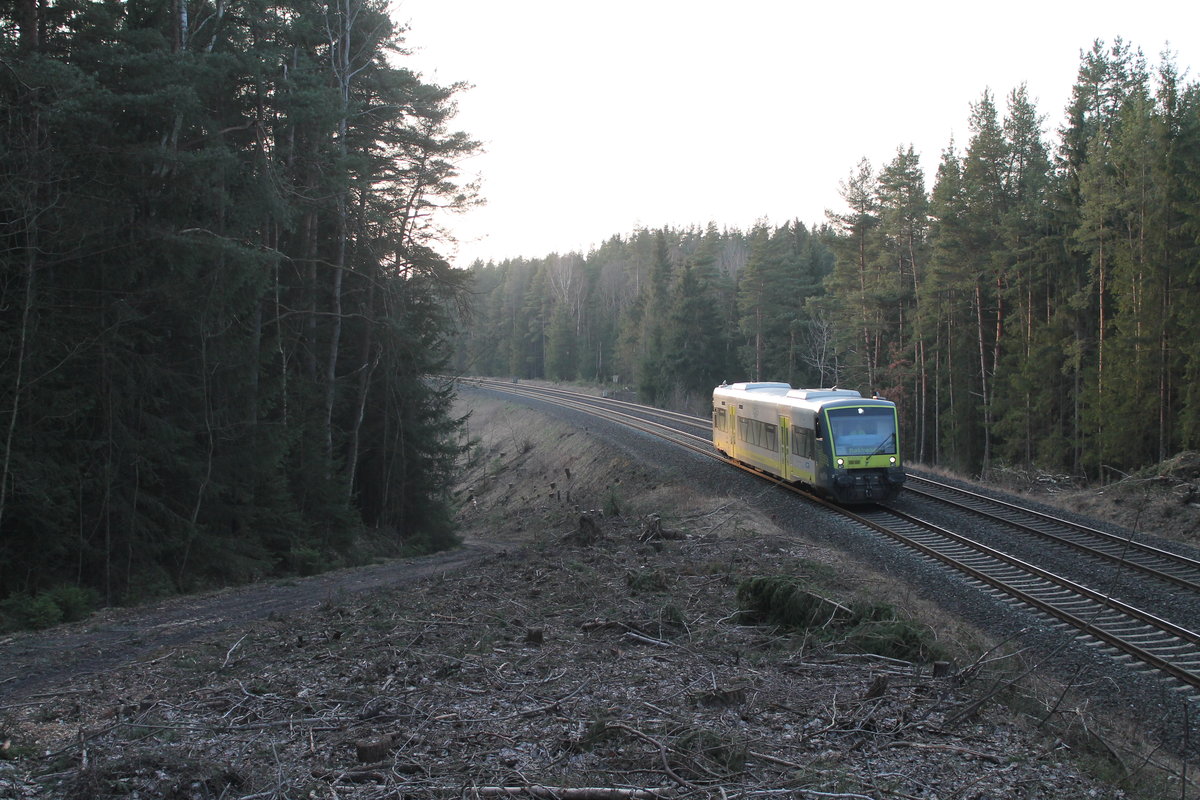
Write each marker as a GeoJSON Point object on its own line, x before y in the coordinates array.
{"type": "Point", "coordinates": [758, 386]}
{"type": "Point", "coordinates": [784, 394]}
{"type": "Point", "coordinates": [822, 394]}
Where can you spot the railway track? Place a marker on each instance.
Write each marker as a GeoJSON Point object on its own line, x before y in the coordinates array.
{"type": "Point", "coordinates": [1131, 631]}
{"type": "Point", "coordinates": [603, 406]}
{"type": "Point", "coordinates": [1126, 631]}
{"type": "Point", "coordinates": [1178, 570]}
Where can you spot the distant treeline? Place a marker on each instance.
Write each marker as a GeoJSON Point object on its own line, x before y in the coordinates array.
{"type": "Point", "coordinates": [220, 298]}
{"type": "Point", "coordinates": [1040, 306]}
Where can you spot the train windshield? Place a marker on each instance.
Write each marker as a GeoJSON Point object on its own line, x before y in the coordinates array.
{"type": "Point", "coordinates": [863, 431]}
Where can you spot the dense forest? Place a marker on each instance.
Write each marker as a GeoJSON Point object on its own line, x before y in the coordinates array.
{"type": "Point", "coordinates": [222, 297]}
{"type": "Point", "coordinates": [1038, 306]}
{"type": "Point", "coordinates": [222, 300]}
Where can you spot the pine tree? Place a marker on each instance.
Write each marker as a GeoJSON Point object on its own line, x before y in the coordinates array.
{"type": "Point", "coordinates": [694, 362]}
{"type": "Point", "coordinates": [904, 231]}
{"type": "Point", "coordinates": [1033, 411]}
{"type": "Point", "coordinates": [653, 362]}
{"type": "Point", "coordinates": [221, 318]}
{"type": "Point", "coordinates": [1183, 163]}
{"type": "Point", "coordinates": [1106, 78]}
{"type": "Point", "coordinates": [949, 299]}
{"type": "Point", "coordinates": [851, 289]}
{"type": "Point", "coordinates": [566, 283]}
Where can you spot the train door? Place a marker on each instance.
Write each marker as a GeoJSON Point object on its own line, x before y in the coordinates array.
{"type": "Point", "coordinates": [733, 427]}
{"type": "Point", "coordinates": [785, 469]}
{"type": "Point", "coordinates": [724, 425]}
{"type": "Point", "coordinates": [824, 449]}
{"type": "Point", "coordinates": [802, 451]}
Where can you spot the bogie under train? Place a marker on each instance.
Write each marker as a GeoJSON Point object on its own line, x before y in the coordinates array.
{"type": "Point", "coordinates": [835, 441]}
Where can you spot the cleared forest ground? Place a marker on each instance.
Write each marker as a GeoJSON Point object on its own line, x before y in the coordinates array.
{"type": "Point", "coordinates": [589, 638]}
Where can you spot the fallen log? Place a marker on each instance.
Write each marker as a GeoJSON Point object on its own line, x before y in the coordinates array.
{"type": "Point", "coordinates": [562, 793]}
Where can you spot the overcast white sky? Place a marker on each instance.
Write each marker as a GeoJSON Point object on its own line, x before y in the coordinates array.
{"type": "Point", "coordinates": [601, 117]}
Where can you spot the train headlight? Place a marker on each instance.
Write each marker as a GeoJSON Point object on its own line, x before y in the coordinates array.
{"type": "Point", "coordinates": [841, 462]}
{"type": "Point", "coordinates": [892, 461]}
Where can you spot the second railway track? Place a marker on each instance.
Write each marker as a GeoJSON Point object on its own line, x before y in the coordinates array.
{"type": "Point", "coordinates": [1177, 569]}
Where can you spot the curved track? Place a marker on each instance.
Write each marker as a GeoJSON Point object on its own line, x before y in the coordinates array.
{"type": "Point", "coordinates": [1172, 650]}
{"type": "Point", "coordinates": [1138, 633]}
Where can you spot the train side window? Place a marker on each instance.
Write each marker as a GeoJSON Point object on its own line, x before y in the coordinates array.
{"type": "Point", "coordinates": [802, 442]}
{"type": "Point", "coordinates": [771, 437]}
{"type": "Point", "coordinates": [744, 424]}
{"type": "Point", "coordinates": [719, 420]}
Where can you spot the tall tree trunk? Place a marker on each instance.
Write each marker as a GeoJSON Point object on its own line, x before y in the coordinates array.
{"type": "Point", "coordinates": [920, 399]}
{"type": "Point", "coordinates": [182, 26]}
{"type": "Point", "coordinates": [340, 42]}
{"type": "Point", "coordinates": [335, 334]}
{"type": "Point", "coordinates": [983, 377]}
{"type": "Point", "coordinates": [29, 24]}
{"type": "Point", "coordinates": [758, 340]}
{"type": "Point", "coordinates": [34, 196]}
{"type": "Point", "coordinates": [862, 304]}
{"type": "Point", "coordinates": [365, 372]}
{"type": "Point", "coordinates": [309, 258]}
{"type": "Point", "coordinates": [18, 367]}
{"type": "Point", "coordinates": [1100, 399]}
{"type": "Point", "coordinates": [1164, 373]}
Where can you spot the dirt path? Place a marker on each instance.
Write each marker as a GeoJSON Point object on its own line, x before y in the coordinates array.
{"type": "Point", "coordinates": [33, 662]}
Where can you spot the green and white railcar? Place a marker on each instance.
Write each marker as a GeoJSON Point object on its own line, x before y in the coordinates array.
{"type": "Point", "coordinates": [835, 441]}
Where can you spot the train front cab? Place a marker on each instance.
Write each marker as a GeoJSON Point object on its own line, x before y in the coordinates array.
{"type": "Point", "coordinates": [858, 447]}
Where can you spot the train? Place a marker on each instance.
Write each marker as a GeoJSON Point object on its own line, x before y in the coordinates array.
{"type": "Point", "coordinates": [835, 442]}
